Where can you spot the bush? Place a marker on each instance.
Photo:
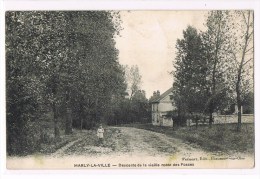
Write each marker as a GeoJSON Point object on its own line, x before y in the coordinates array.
{"type": "Point", "coordinates": [23, 140]}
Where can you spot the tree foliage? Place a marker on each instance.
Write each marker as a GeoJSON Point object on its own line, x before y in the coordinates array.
{"type": "Point", "coordinates": [212, 66]}
{"type": "Point", "coordinates": [133, 79]}
{"type": "Point", "coordinates": [134, 107]}
{"type": "Point", "coordinates": [63, 63]}
{"type": "Point", "coordinates": [242, 50]}
{"type": "Point", "coordinates": [216, 42]}
{"type": "Point", "coordinates": [192, 82]}
{"type": "Point", "coordinates": [190, 85]}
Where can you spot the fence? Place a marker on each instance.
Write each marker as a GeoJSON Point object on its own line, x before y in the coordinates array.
{"type": "Point", "coordinates": [246, 118]}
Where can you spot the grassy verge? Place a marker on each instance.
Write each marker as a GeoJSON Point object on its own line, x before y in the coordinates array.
{"type": "Point", "coordinates": [52, 145]}
{"type": "Point", "coordinates": [219, 138]}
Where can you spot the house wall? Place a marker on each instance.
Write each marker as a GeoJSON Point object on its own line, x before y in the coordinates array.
{"type": "Point", "coordinates": [160, 109]}
{"type": "Point", "coordinates": [163, 107]}
{"type": "Point", "coordinates": [155, 114]}
{"type": "Point", "coordinates": [166, 104]}
{"type": "Point", "coordinates": [155, 107]}
{"type": "Point", "coordinates": [155, 118]}
{"type": "Point", "coordinates": [160, 120]}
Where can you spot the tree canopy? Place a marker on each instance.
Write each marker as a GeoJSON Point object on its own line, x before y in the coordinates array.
{"type": "Point", "coordinates": [213, 69]}
{"type": "Point", "coordinates": [61, 63]}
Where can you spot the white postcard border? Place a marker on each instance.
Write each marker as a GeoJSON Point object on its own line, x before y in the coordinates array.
{"type": "Point", "coordinates": [129, 5]}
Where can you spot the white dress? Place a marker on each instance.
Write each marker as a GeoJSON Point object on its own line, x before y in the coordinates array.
{"type": "Point", "coordinates": [100, 132]}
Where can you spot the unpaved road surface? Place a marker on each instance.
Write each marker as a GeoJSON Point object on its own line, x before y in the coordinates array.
{"type": "Point", "coordinates": [126, 146]}
{"type": "Point", "coordinates": [128, 141]}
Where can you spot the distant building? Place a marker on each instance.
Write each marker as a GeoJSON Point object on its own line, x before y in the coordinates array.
{"type": "Point", "coordinates": [161, 108]}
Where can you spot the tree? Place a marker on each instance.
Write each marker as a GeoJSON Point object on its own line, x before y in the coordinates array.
{"type": "Point", "coordinates": [248, 103]}
{"type": "Point", "coordinates": [190, 75]}
{"type": "Point", "coordinates": [132, 109]}
{"type": "Point", "coordinates": [24, 87]}
{"type": "Point", "coordinates": [140, 106]}
{"type": "Point", "coordinates": [242, 49]}
{"type": "Point", "coordinates": [99, 76]}
{"type": "Point", "coordinates": [64, 62]}
{"type": "Point", "coordinates": [212, 66]}
{"type": "Point", "coordinates": [133, 79]}
{"type": "Point", "coordinates": [216, 45]}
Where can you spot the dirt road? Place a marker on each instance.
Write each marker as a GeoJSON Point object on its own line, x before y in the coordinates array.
{"type": "Point", "coordinates": [130, 147]}
{"type": "Point", "coordinates": [128, 141]}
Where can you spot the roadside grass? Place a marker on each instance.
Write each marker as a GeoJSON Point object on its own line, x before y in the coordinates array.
{"type": "Point", "coordinates": [50, 144]}
{"type": "Point", "coordinates": [88, 144]}
{"type": "Point", "coordinates": [220, 138]}
{"type": "Point", "coordinates": [88, 136]}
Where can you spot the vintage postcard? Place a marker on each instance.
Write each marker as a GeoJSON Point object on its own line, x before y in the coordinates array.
{"type": "Point", "coordinates": [144, 89]}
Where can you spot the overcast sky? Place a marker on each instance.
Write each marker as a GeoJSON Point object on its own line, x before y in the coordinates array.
{"type": "Point", "coordinates": [148, 41]}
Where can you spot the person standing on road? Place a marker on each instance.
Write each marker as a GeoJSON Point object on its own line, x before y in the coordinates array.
{"type": "Point", "coordinates": [100, 134]}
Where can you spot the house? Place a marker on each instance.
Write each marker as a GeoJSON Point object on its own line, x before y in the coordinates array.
{"type": "Point", "coordinates": [161, 107]}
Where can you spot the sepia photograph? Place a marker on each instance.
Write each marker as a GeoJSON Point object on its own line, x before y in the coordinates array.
{"type": "Point", "coordinates": [148, 89]}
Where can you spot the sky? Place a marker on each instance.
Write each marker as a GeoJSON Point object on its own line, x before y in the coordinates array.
{"type": "Point", "coordinates": [148, 40]}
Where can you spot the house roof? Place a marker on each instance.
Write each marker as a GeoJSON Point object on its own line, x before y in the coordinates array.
{"type": "Point", "coordinates": [157, 99]}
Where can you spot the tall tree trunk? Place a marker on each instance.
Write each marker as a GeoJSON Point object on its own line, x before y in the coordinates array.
{"type": "Point", "coordinates": [179, 116]}
{"type": "Point", "coordinates": [81, 123]}
{"type": "Point", "coordinates": [54, 107]}
{"type": "Point", "coordinates": [81, 116]}
{"type": "Point", "coordinates": [197, 121]}
{"type": "Point", "coordinates": [68, 129]}
{"type": "Point", "coordinates": [216, 59]}
{"type": "Point", "coordinates": [239, 117]}
{"type": "Point", "coordinates": [172, 123]}
{"type": "Point", "coordinates": [239, 74]}
{"type": "Point", "coordinates": [55, 119]}
{"type": "Point", "coordinates": [96, 113]}
{"type": "Point", "coordinates": [239, 97]}
{"type": "Point", "coordinates": [210, 119]}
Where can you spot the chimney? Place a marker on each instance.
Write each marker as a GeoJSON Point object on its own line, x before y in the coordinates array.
{"type": "Point", "coordinates": [154, 93]}
{"type": "Point", "coordinates": [158, 93]}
